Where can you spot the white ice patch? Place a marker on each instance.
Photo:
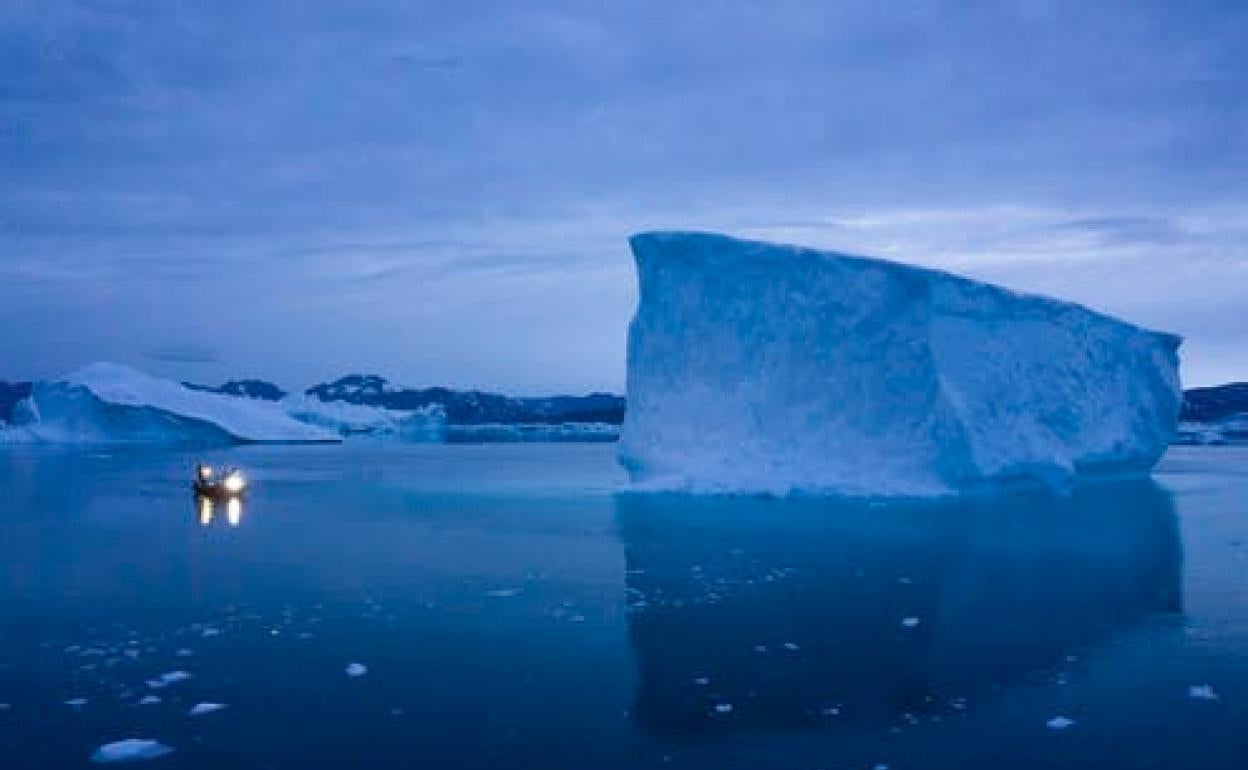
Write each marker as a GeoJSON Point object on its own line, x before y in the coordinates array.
{"type": "Point", "coordinates": [130, 750]}
{"type": "Point", "coordinates": [149, 700]}
{"type": "Point", "coordinates": [76, 702]}
{"type": "Point", "coordinates": [1059, 723]}
{"type": "Point", "coordinates": [164, 680]}
{"type": "Point", "coordinates": [502, 593]}
{"type": "Point", "coordinates": [199, 709]}
{"type": "Point", "coordinates": [909, 622]}
{"type": "Point", "coordinates": [356, 669]}
{"type": "Point", "coordinates": [1202, 692]}
{"type": "Point", "coordinates": [757, 368]}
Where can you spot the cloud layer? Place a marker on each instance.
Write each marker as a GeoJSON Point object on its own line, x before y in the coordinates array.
{"type": "Point", "coordinates": [442, 191]}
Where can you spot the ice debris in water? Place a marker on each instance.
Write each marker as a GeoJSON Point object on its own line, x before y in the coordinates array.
{"type": "Point", "coordinates": [1059, 723]}
{"type": "Point", "coordinates": [723, 708]}
{"type": "Point", "coordinates": [502, 593]}
{"type": "Point", "coordinates": [199, 709]}
{"type": "Point", "coordinates": [164, 680]}
{"type": "Point", "coordinates": [130, 750]}
{"type": "Point", "coordinates": [357, 669]}
{"type": "Point", "coordinates": [909, 622]}
{"type": "Point", "coordinates": [149, 700]}
{"type": "Point", "coordinates": [76, 702]}
{"type": "Point", "coordinates": [1202, 692]}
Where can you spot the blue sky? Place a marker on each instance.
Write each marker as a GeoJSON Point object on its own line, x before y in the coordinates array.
{"type": "Point", "coordinates": [441, 191]}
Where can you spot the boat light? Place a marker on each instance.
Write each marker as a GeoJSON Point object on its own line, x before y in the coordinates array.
{"type": "Point", "coordinates": [234, 483]}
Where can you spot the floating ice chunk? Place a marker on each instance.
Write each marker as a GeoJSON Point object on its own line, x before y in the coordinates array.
{"type": "Point", "coordinates": [910, 622]}
{"type": "Point", "coordinates": [112, 403]}
{"type": "Point", "coordinates": [199, 709]}
{"type": "Point", "coordinates": [702, 680]}
{"type": "Point", "coordinates": [502, 593]}
{"type": "Point", "coordinates": [755, 367]}
{"type": "Point", "coordinates": [357, 669]}
{"type": "Point", "coordinates": [76, 702]}
{"type": "Point", "coordinates": [184, 652]}
{"type": "Point", "coordinates": [1202, 692]}
{"type": "Point", "coordinates": [164, 680]}
{"type": "Point", "coordinates": [130, 750]}
{"type": "Point", "coordinates": [1059, 723]}
{"type": "Point", "coordinates": [149, 700]}
{"type": "Point", "coordinates": [792, 646]}
{"type": "Point", "coordinates": [210, 631]}
{"type": "Point", "coordinates": [723, 708]}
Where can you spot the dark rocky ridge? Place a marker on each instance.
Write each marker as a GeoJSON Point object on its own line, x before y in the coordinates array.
{"type": "Point", "coordinates": [1215, 403]}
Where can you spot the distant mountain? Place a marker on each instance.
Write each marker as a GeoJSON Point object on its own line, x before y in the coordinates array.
{"type": "Point", "coordinates": [265, 391]}
{"type": "Point", "coordinates": [472, 407]}
{"type": "Point", "coordinates": [1216, 403]}
{"type": "Point", "coordinates": [10, 394]}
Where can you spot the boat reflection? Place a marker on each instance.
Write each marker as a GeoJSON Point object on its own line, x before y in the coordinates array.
{"type": "Point", "coordinates": [209, 509]}
{"type": "Point", "coordinates": [763, 613]}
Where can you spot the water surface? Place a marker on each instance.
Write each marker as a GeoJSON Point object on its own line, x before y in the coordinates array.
{"type": "Point", "coordinates": [512, 610]}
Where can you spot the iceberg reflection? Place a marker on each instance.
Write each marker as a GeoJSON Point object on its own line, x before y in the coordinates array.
{"type": "Point", "coordinates": [759, 613]}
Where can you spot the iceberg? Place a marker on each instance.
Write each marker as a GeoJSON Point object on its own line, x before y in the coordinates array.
{"type": "Point", "coordinates": [426, 424]}
{"type": "Point", "coordinates": [762, 368]}
{"type": "Point", "coordinates": [106, 403]}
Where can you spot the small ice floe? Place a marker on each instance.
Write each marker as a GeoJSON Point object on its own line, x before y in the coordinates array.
{"type": "Point", "coordinates": [723, 708]}
{"type": "Point", "coordinates": [164, 680]}
{"type": "Point", "coordinates": [356, 669]}
{"type": "Point", "coordinates": [199, 709]}
{"type": "Point", "coordinates": [702, 680]}
{"type": "Point", "coordinates": [792, 647]}
{"type": "Point", "coordinates": [760, 648]}
{"type": "Point", "coordinates": [210, 631]}
{"type": "Point", "coordinates": [76, 703]}
{"type": "Point", "coordinates": [1059, 723]}
{"type": "Point", "coordinates": [130, 750]}
{"type": "Point", "coordinates": [909, 622]}
{"type": "Point", "coordinates": [1202, 692]}
{"type": "Point", "coordinates": [149, 700]}
{"type": "Point", "coordinates": [184, 652]}
{"type": "Point", "coordinates": [502, 593]}
{"type": "Point", "coordinates": [831, 711]}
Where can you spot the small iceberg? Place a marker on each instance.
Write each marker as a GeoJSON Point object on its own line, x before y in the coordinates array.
{"type": "Point", "coordinates": [1202, 692]}
{"type": "Point", "coordinates": [1059, 723]}
{"type": "Point", "coordinates": [130, 750]}
{"type": "Point", "coordinates": [356, 669]}
{"type": "Point", "coordinates": [199, 709]}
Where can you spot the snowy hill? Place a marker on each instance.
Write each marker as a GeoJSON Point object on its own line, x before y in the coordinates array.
{"type": "Point", "coordinates": [755, 367]}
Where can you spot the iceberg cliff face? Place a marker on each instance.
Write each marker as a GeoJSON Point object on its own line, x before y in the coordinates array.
{"type": "Point", "coordinates": [755, 367]}
{"type": "Point", "coordinates": [106, 403]}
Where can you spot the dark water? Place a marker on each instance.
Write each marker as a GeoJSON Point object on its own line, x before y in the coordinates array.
{"type": "Point", "coordinates": [513, 612]}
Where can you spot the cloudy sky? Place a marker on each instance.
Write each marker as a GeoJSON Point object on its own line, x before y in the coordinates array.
{"type": "Point", "coordinates": [441, 191]}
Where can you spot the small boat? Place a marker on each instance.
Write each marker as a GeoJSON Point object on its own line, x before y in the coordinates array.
{"type": "Point", "coordinates": [226, 484]}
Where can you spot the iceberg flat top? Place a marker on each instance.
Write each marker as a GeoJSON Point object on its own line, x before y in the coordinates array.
{"type": "Point", "coordinates": [762, 367]}
{"type": "Point", "coordinates": [241, 418]}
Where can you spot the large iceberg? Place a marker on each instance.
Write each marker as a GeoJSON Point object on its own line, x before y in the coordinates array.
{"type": "Point", "coordinates": [755, 367]}
{"type": "Point", "coordinates": [113, 403]}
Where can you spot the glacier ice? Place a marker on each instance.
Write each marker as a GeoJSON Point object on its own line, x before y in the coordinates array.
{"type": "Point", "coordinates": [113, 403]}
{"type": "Point", "coordinates": [755, 367]}
{"type": "Point", "coordinates": [426, 424]}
